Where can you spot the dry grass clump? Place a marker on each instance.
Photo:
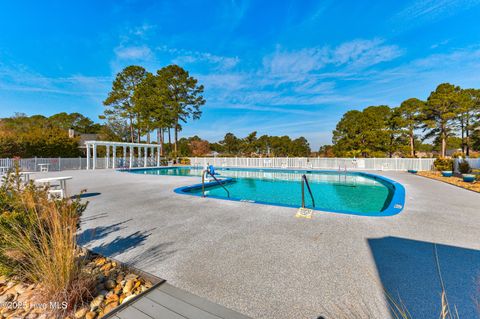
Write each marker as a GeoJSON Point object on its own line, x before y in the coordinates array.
{"type": "Point", "coordinates": [38, 243]}
{"type": "Point", "coordinates": [397, 308]}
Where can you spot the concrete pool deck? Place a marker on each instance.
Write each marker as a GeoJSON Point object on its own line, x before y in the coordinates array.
{"type": "Point", "coordinates": [263, 262]}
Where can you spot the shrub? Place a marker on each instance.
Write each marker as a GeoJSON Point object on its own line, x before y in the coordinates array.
{"type": "Point", "coordinates": [458, 155]}
{"type": "Point", "coordinates": [464, 167]}
{"type": "Point", "coordinates": [184, 161]}
{"type": "Point", "coordinates": [443, 164]}
{"type": "Point", "coordinates": [38, 242]}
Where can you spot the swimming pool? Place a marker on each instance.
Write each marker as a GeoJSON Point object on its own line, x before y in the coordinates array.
{"type": "Point", "coordinates": [356, 193]}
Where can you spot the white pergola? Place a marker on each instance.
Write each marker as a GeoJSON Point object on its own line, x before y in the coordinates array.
{"type": "Point", "coordinates": [92, 145]}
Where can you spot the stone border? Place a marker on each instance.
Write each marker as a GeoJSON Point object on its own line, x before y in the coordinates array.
{"type": "Point", "coordinates": [156, 282]}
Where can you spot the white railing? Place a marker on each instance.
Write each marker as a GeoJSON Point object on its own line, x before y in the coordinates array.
{"type": "Point", "coordinates": [60, 164]}
{"type": "Point", "coordinates": [392, 164]}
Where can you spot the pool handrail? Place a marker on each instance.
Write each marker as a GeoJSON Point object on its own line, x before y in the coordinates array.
{"type": "Point", "coordinates": [305, 181]}
{"type": "Point", "coordinates": [205, 172]}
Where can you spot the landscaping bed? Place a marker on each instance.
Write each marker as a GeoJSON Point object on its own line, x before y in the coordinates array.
{"type": "Point", "coordinates": [43, 272]}
{"type": "Point", "coordinates": [112, 285]}
{"type": "Point", "coordinates": [454, 180]}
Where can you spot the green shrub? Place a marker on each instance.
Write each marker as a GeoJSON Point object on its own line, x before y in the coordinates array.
{"type": "Point", "coordinates": [458, 155]}
{"type": "Point", "coordinates": [443, 164]}
{"type": "Point", "coordinates": [464, 167]}
{"type": "Point", "coordinates": [184, 161]}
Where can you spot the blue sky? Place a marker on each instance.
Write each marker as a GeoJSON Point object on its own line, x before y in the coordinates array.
{"type": "Point", "coordinates": [277, 67]}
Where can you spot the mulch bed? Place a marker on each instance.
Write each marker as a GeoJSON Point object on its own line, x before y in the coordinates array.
{"type": "Point", "coordinates": [454, 180]}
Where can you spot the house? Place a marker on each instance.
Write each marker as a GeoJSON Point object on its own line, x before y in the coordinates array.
{"type": "Point", "coordinates": [82, 137]}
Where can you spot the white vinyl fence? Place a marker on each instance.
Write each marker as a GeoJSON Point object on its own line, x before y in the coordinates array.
{"type": "Point", "coordinates": [393, 164]}
{"type": "Point", "coordinates": [60, 164]}
{"type": "Point", "coordinates": [474, 163]}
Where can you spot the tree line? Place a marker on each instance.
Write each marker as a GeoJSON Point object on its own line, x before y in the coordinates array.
{"type": "Point", "coordinates": [38, 135]}
{"type": "Point", "coordinates": [250, 146]}
{"type": "Point", "coordinates": [41, 136]}
{"type": "Point", "coordinates": [449, 117]}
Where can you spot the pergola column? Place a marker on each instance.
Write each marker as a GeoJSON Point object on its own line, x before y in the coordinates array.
{"type": "Point", "coordinates": [145, 154]}
{"type": "Point", "coordinates": [107, 158]}
{"type": "Point", "coordinates": [152, 153]}
{"type": "Point", "coordinates": [94, 165]}
{"type": "Point", "coordinates": [114, 151]}
{"type": "Point", "coordinates": [158, 155]}
{"type": "Point", "coordinates": [88, 155]}
{"type": "Point", "coordinates": [139, 151]}
{"type": "Point", "coordinates": [124, 156]}
{"type": "Point", "coordinates": [131, 156]}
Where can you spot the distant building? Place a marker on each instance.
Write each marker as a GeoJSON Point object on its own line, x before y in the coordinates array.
{"type": "Point", "coordinates": [82, 138]}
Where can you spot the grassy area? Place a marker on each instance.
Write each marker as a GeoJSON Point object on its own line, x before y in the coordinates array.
{"type": "Point", "coordinates": [457, 181]}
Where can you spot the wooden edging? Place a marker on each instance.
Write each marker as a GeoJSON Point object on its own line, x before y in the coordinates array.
{"type": "Point", "coordinates": [156, 282]}
{"type": "Point", "coordinates": [471, 190]}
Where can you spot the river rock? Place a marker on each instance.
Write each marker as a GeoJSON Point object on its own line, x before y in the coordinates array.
{"type": "Point", "coordinates": [112, 297]}
{"type": "Point", "coordinates": [101, 278]}
{"type": "Point", "coordinates": [100, 261]}
{"type": "Point", "coordinates": [131, 276]}
{"type": "Point", "coordinates": [128, 286]}
{"type": "Point", "coordinates": [118, 289]}
{"type": "Point", "coordinates": [91, 315]}
{"type": "Point", "coordinates": [96, 302]}
{"type": "Point", "coordinates": [127, 298]}
{"type": "Point", "coordinates": [19, 289]}
{"type": "Point", "coordinates": [110, 284]}
{"type": "Point", "coordinates": [81, 312]}
{"type": "Point", "coordinates": [110, 307]}
{"type": "Point", "coordinates": [100, 287]}
{"type": "Point", "coordinates": [119, 279]}
{"type": "Point", "coordinates": [106, 267]}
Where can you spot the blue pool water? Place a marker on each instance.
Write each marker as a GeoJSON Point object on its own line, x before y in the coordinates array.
{"type": "Point", "coordinates": [354, 192]}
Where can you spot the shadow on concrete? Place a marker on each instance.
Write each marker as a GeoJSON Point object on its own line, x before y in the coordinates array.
{"type": "Point", "coordinates": [151, 256]}
{"type": "Point", "coordinates": [410, 274]}
{"type": "Point", "coordinates": [122, 244]}
{"type": "Point", "coordinates": [93, 217]}
{"type": "Point", "coordinates": [88, 235]}
{"type": "Point", "coordinates": [87, 195]}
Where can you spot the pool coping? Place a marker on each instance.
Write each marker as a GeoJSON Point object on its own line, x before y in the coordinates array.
{"type": "Point", "coordinates": [395, 206]}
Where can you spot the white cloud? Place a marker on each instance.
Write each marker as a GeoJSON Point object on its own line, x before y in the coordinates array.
{"type": "Point", "coordinates": [142, 52]}
{"type": "Point", "coordinates": [425, 11]}
{"type": "Point", "coordinates": [181, 57]}
{"type": "Point", "coordinates": [230, 81]}
{"type": "Point", "coordinates": [20, 78]}
{"type": "Point", "coordinates": [357, 53]}
{"type": "Point", "coordinates": [295, 62]}
{"type": "Point", "coordinates": [417, 78]}
{"type": "Point", "coordinates": [364, 53]}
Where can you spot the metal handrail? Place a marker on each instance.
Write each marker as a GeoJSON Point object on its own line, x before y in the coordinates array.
{"type": "Point", "coordinates": [305, 181]}
{"type": "Point", "coordinates": [205, 172]}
